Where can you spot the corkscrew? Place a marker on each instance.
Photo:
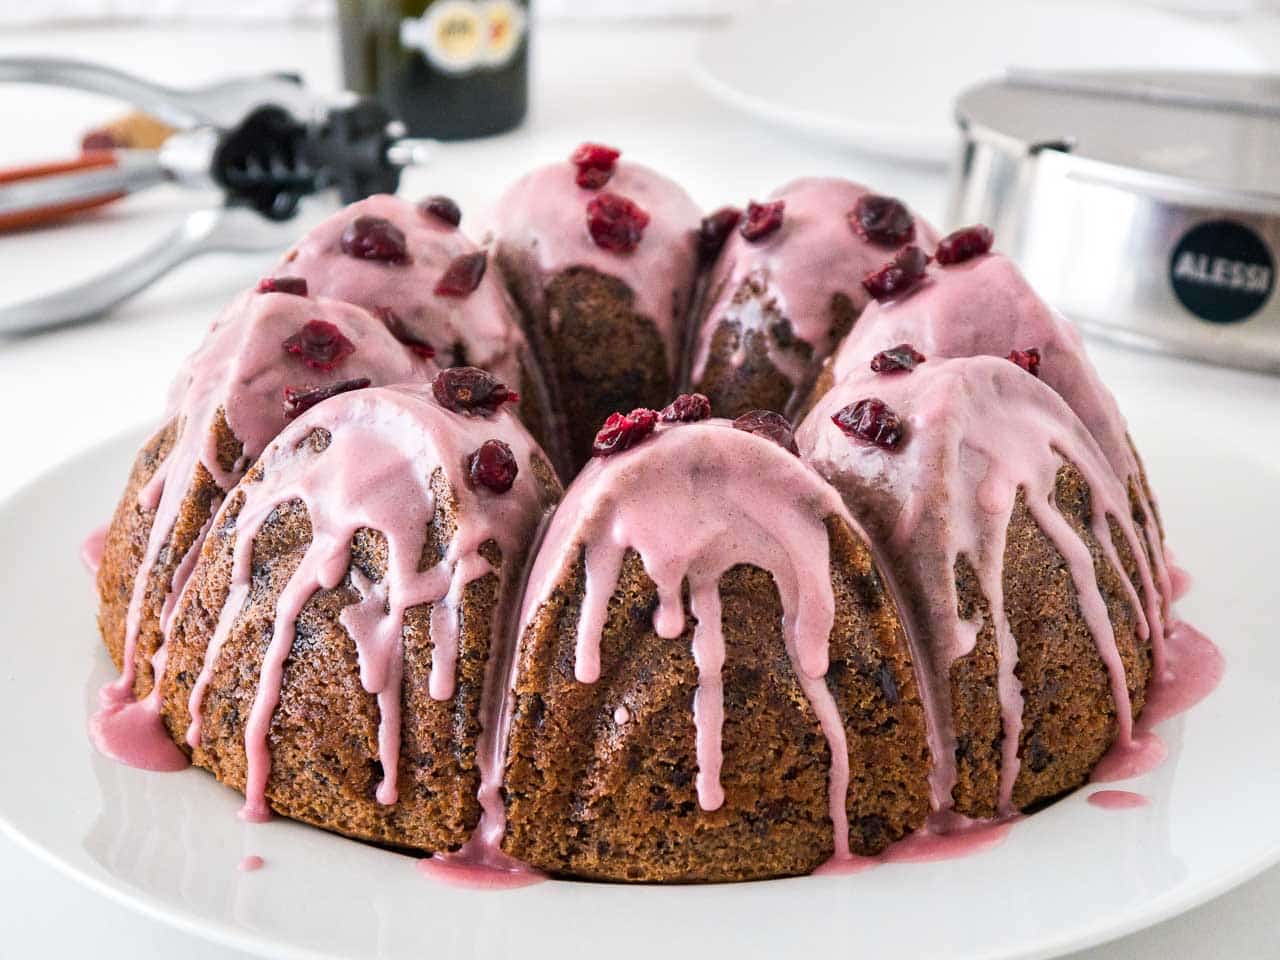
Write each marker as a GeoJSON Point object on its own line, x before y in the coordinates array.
{"type": "Point", "coordinates": [265, 143]}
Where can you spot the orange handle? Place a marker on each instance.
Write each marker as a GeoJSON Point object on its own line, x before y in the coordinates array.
{"type": "Point", "coordinates": [90, 160]}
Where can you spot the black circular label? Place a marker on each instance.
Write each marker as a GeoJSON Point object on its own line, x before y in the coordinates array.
{"type": "Point", "coordinates": [1222, 271]}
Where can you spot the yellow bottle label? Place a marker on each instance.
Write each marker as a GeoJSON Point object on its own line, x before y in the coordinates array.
{"type": "Point", "coordinates": [458, 36]}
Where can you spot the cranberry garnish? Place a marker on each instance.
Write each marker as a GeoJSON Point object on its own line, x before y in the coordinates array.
{"type": "Point", "coordinates": [320, 344]}
{"type": "Point", "coordinates": [715, 231]}
{"type": "Point", "coordinates": [622, 431]}
{"type": "Point", "coordinates": [899, 275]}
{"type": "Point", "coordinates": [615, 223]}
{"type": "Point", "coordinates": [397, 328]}
{"type": "Point", "coordinates": [299, 401]}
{"type": "Point", "coordinates": [102, 139]}
{"type": "Point", "coordinates": [463, 275]}
{"type": "Point", "coordinates": [294, 285]}
{"type": "Point", "coordinates": [964, 244]}
{"type": "Point", "coordinates": [686, 408]}
{"type": "Point", "coordinates": [374, 238]}
{"type": "Point", "coordinates": [882, 220]}
{"type": "Point", "coordinates": [762, 219]}
{"type": "Point", "coordinates": [770, 425]}
{"type": "Point", "coordinates": [871, 421]}
{"type": "Point", "coordinates": [493, 465]}
{"type": "Point", "coordinates": [468, 389]}
{"type": "Point", "coordinates": [903, 357]}
{"type": "Point", "coordinates": [442, 208]}
{"type": "Point", "coordinates": [595, 163]}
{"type": "Point", "coordinates": [1028, 360]}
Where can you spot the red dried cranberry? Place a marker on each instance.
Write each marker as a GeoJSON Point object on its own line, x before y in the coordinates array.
{"type": "Point", "coordinates": [595, 163]}
{"type": "Point", "coordinates": [401, 332]}
{"type": "Point", "coordinates": [442, 208]}
{"type": "Point", "coordinates": [899, 275]}
{"type": "Point", "coordinates": [299, 401]}
{"type": "Point", "coordinates": [871, 421]}
{"type": "Point", "coordinates": [762, 219]}
{"type": "Point", "coordinates": [320, 345]}
{"type": "Point", "coordinates": [374, 238]}
{"type": "Point", "coordinates": [294, 285]}
{"type": "Point", "coordinates": [686, 408]}
{"type": "Point", "coordinates": [903, 357]}
{"type": "Point", "coordinates": [1028, 360]}
{"type": "Point", "coordinates": [715, 231]}
{"type": "Point", "coordinates": [622, 431]}
{"type": "Point", "coordinates": [964, 244]}
{"type": "Point", "coordinates": [882, 220]}
{"type": "Point", "coordinates": [470, 389]}
{"type": "Point", "coordinates": [102, 139]}
{"type": "Point", "coordinates": [615, 223]}
{"type": "Point", "coordinates": [463, 275]}
{"type": "Point", "coordinates": [493, 466]}
{"type": "Point", "coordinates": [770, 425]}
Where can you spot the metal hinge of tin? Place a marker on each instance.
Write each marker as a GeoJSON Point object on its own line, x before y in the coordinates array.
{"type": "Point", "coordinates": [1145, 206]}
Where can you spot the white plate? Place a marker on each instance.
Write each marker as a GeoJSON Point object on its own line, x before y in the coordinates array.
{"type": "Point", "coordinates": [881, 77]}
{"type": "Point", "coordinates": [1070, 876]}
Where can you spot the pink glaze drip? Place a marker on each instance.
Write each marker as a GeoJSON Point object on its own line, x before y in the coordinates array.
{"type": "Point", "coordinates": [92, 547]}
{"type": "Point", "coordinates": [241, 369]}
{"type": "Point", "coordinates": [978, 430]}
{"type": "Point", "coordinates": [375, 473]}
{"type": "Point", "coordinates": [251, 863]}
{"type": "Point", "coordinates": [945, 836]}
{"type": "Point", "coordinates": [131, 731]}
{"type": "Point", "coordinates": [1118, 799]}
{"type": "Point", "coordinates": [986, 307]}
{"type": "Point", "coordinates": [815, 255]}
{"type": "Point", "coordinates": [540, 229]}
{"type": "Point", "coordinates": [479, 329]}
{"type": "Point", "coordinates": [460, 872]}
{"type": "Point", "coordinates": [693, 502]}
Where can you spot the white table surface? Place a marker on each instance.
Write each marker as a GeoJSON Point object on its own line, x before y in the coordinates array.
{"type": "Point", "coordinates": [62, 391]}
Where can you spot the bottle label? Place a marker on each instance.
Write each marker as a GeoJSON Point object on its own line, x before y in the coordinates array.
{"type": "Point", "coordinates": [460, 36]}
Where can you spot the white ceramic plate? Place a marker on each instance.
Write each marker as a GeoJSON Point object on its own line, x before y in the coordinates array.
{"type": "Point", "coordinates": [881, 77]}
{"type": "Point", "coordinates": [1070, 876]}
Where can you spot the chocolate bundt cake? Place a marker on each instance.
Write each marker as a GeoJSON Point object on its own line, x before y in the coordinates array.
{"type": "Point", "coordinates": [787, 286]}
{"type": "Point", "coordinates": [601, 256]}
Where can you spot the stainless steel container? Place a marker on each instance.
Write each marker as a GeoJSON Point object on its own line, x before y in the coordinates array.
{"type": "Point", "coordinates": [1145, 207]}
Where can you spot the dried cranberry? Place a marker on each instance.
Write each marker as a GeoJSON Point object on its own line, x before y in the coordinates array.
{"type": "Point", "coordinates": [102, 139]}
{"type": "Point", "coordinates": [320, 345]}
{"type": "Point", "coordinates": [903, 357]}
{"type": "Point", "coordinates": [899, 275]}
{"type": "Point", "coordinates": [493, 465]}
{"type": "Point", "coordinates": [442, 208]}
{"type": "Point", "coordinates": [686, 408]}
{"type": "Point", "coordinates": [964, 244]}
{"type": "Point", "coordinates": [882, 220]}
{"type": "Point", "coordinates": [770, 425]}
{"type": "Point", "coordinates": [401, 332]}
{"type": "Point", "coordinates": [714, 231]}
{"type": "Point", "coordinates": [615, 223]}
{"type": "Point", "coordinates": [762, 219]}
{"type": "Point", "coordinates": [622, 431]}
{"type": "Point", "coordinates": [1028, 360]}
{"type": "Point", "coordinates": [595, 163]}
{"type": "Point", "coordinates": [463, 275]}
{"type": "Point", "coordinates": [374, 238]}
{"type": "Point", "coordinates": [871, 421]}
{"type": "Point", "coordinates": [468, 389]}
{"type": "Point", "coordinates": [294, 285]}
{"type": "Point", "coordinates": [299, 401]}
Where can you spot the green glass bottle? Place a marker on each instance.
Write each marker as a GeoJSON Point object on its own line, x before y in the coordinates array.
{"type": "Point", "coordinates": [449, 69]}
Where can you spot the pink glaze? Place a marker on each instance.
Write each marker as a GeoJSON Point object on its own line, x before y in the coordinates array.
{"type": "Point", "coordinates": [241, 369]}
{"type": "Point", "coordinates": [945, 836]}
{"type": "Point", "coordinates": [815, 255]}
{"type": "Point", "coordinates": [479, 329]}
{"type": "Point", "coordinates": [131, 732]}
{"type": "Point", "coordinates": [386, 444]}
{"type": "Point", "coordinates": [477, 876]}
{"type": "Point", "coordinates": [92, 547]}
{"type": "Point", "coordinates": [540, 229]}
{"type": "Point", "coordinates": [1118, 799]}
{"type": "Point", "coordinates": [251, 863]}
{"type": "Point", "coordinates": [1179, 583]}
{"type": "Point", "coordinates": [978, 430]}
{"type": "Point", "coordinates": [986, 307]}
{"type": "Point", "coordinates": [693, 502]}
